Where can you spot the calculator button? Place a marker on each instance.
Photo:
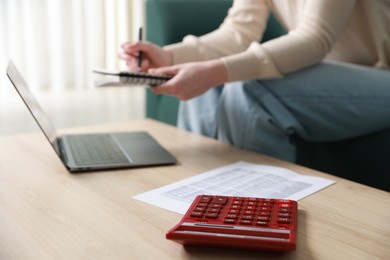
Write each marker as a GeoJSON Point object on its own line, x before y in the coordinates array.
{"type": "Point", "coordinates": [230, 220]}
{"type": "Point", "coordinates": [231, 215]}
{"type": "Point", "coordinates": [236, 202]}
{"type": "Point", "coordinates": [284, 205]}
{"type": "Point", "coordinates": [247, 217]}
{"type": "Point", "coordinates": [249, 207]}
{"type": "Point", "coordinates": [264, 213]}
{"type": "Point", "coordinates": [196, 214]}
{"type": "Point", "coordinates": [205, 199]}
{"type": "Point", "coordinates": [248, 212]}
{"type": "Point", "coordinates": [268, 200]}
{"type": "Point", "coordinates": [264, 209]}
{"type": "Point", "coordinates": [233, 211]}
{"type": "Point", "coordinates": [235, 206]}
{"type": "Point", "coordinates": [213, 210]}
{"type": "Point", "coordinates": [215, 205]}
{"type": "Point", "coordinates": [245, 222]}
{"type": "Point", "coordinates": [284, 214]}
{"type": "Point", "coordinates": [202, 204]}
{"type": "Point", "coordinates": [284, 220]}
{"type": "Point", "coordinates": [263, 218]}
{"type": "Point", "coordinates": [211, 215]}
{"type": "Point", "coordinates": [199, 208]}
{"type": "Point", "coordinates": [219, 200]}
{"type": "Point", "coordinates": [262, 223]}
{"type": "Point", "coordinates": [251, 203]}
{"type": "Point", "coordinates": [265, 204]}
{"type": "Point", "coordinates": [284, 210]}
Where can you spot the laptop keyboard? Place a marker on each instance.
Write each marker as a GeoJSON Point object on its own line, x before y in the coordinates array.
{"type": "Point", "coordinates": [96, 150]}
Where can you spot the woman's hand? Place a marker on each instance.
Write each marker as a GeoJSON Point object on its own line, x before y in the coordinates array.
{"type": "Point", "coordinates": [153, 56]}
{"type": "Point", "coordinates": [191, 79]}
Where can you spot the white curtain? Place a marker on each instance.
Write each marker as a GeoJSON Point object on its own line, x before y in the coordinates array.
{"type": "Point", "coordinates": [57, 43]}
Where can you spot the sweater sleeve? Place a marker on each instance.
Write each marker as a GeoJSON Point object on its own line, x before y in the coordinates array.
{"type": "Point", "coordinates": [319, 24]}
{"type": "Point", "coordinates": [244, 24]}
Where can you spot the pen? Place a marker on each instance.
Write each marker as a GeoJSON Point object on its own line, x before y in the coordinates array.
{"type": "Point", "coordinates": [140, 52]}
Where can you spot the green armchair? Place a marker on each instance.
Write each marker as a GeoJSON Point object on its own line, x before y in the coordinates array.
{"type": "Point", "coordinates": [365, 159]}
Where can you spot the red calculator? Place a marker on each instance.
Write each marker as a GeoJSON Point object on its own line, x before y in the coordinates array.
{"type": "Point", "coordinates": [239, 222]}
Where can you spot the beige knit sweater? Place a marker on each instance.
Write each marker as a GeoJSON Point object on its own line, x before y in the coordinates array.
{"type": "Point", "coordinates": [355, 31]}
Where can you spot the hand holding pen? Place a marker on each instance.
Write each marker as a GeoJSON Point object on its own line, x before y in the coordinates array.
{"type": "Point", "coordinates": [188, 79]}
{"type": "Point", "coordinates": [140, 56]}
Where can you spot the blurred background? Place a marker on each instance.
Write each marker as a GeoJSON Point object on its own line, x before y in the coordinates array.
{"type": "Point", "coordinates": [56, 44]}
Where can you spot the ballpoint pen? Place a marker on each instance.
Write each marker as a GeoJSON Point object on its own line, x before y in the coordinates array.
{"type": "Point", "coordinates": [140, 52]}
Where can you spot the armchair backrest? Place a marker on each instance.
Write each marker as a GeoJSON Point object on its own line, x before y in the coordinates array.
{"type": "Point", "coordinates": [168, 21]}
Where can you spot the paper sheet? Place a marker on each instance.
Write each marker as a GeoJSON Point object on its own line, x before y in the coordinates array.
{"type": "Point", "coordinates": [238, 179]}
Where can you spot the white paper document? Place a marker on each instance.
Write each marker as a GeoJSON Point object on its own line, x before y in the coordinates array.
{"type": "Point", "coordinates": [238, 179]}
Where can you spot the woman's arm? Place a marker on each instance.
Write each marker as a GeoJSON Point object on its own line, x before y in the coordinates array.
{"type": "Point", "coordinates": [236, 42]}
{"type": "Point", "coordinates": [244, 24]}
{"type": "Point", "coordinates": [320, 22]}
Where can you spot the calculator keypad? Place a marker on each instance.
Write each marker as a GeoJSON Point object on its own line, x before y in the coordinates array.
{"type": "Point", "coordinates": [245, 211]}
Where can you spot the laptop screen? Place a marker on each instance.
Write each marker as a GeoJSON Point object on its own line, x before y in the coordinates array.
{"type": "Point", "coordinates": [32, 104]}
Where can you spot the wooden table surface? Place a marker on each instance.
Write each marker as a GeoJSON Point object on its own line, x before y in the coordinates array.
{"type": "Point", "coordinates": [49, 213]}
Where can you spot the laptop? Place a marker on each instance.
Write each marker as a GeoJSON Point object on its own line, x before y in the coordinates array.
{"type": "Point", "coordinates": [89, 152]}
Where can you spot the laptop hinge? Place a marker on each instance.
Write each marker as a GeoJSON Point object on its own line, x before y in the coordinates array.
{"type": "Point", "coordinates": [62, 154]}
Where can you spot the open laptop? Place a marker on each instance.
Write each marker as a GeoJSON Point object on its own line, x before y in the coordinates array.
{"type": "Point", "coordinates": [87, 152]}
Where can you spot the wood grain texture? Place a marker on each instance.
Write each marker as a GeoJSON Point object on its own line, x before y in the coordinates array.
{"type": "Point", "coordinates": [49, 213]}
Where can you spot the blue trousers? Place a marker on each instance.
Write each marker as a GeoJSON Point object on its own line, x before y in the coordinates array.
{"type": "Point", "coordinates": [329, 101]}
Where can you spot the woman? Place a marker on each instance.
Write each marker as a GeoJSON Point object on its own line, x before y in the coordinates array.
{"type": "Point", "coordinates": [328, 79]}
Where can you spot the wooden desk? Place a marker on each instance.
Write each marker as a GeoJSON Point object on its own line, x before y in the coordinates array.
{"type": "Point", "coordinates": [48, 213]}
